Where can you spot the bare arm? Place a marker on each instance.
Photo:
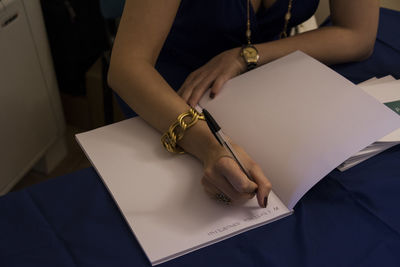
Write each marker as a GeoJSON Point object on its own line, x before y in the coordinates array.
{"type": "Point", "coordinates": [143, 29]}
{"type": "Point", "coordinates": [350, 38]}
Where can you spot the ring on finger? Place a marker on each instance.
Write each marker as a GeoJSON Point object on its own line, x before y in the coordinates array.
{"type": "Point", "coordinates": [221, 197]}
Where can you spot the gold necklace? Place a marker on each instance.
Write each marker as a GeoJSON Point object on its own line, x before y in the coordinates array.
{"type": "Point", "coordinates": [283, 34]}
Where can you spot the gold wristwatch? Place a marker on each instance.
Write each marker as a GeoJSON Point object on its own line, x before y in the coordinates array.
{"type": "Point", "coordinates": [250, 55]}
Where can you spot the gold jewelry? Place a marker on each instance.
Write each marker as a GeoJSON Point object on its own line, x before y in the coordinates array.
{"type": "Point", "coordinates": [177, 130]}
{"type": "Point", "coordinates": [283, 34]}
{"type": "Point", "coordinates": [248, 30]}
{"type": "Point", "coordinates": [249, 52]}
{"type": "Point", "coordinates": [288, 16]}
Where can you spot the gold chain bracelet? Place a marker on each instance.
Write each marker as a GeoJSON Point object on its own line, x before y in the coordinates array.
{"type": "Point", "coordinates": [177, 130]}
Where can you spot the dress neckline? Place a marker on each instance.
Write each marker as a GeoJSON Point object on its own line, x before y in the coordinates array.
{"type": "Point", "coordinates": [261, 9]}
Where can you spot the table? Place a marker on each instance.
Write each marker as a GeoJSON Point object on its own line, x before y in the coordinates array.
{"type": "Point", "coordinates": [347, 219]}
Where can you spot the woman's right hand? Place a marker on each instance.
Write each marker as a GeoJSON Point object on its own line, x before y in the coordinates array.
{"type": "Point", "coordinates": [223, 177]}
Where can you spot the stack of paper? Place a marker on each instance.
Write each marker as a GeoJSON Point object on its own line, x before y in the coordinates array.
{"type": "Point", "coordinates": [387, 91]}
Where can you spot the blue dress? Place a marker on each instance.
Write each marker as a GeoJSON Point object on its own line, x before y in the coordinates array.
{"type": "Point", "coordinates": [203, 29]}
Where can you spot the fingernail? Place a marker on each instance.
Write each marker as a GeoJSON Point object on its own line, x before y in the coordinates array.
{"type": "Point", "coordinates": [265, 202]}
{"type": "Point", "coordinates": [212, 95]}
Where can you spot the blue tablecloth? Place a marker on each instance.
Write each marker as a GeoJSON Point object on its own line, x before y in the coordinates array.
{"type": "Point", "coordinates": [347, 219]}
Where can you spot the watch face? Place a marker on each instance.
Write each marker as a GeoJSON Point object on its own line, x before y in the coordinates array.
{"type": "Point", "coordinates": [250, 54]}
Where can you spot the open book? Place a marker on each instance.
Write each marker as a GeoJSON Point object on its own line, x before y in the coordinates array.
{"type": "Point", "coordinates": [294, 116]}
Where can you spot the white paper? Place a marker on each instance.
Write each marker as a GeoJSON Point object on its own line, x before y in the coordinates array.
{"type": "Point", "coordinates": [160, 194]}
{"type": "Point", "coordinates": [369, 81]}
{"type": "Point", "coordinates": [385, 92]}
{"type": "Point", "coordinates": [374, 81]}
{"type": "Point", "coordinates": [299, 120]}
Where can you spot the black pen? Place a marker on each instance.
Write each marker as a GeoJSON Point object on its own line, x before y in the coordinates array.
{"type": "Point", "coordinates": [219, 135]}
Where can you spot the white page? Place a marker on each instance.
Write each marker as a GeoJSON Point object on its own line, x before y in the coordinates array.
{"type": "Point", "coordinates": [160, 194]}
{"type": "Point", "coordinates": [306, 119]}
{"type": "Point", "coordinates": [384, 93]}
{"type": "Point", "coordinates": [374, 81]}
{"type": "Point", "coordinates": [369, 81]}
{"type": "Point", "coordinates": [387, 78]}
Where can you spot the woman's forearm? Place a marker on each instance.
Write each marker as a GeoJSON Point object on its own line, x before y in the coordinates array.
{"type": "Point", "coordinates": [143, 88]}
{"type": "Point", "coordinates": [144, 27]}
{"type": "Point", "coordinates": [330, 45]}
{"type": "Point", "coordinates": [350, 38]}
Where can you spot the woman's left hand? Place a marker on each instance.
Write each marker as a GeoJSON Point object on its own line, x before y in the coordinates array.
{"type": "Point", "coordinates": [212, 75]}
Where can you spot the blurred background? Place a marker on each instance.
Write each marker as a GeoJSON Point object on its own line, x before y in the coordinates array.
{"type": "Point", "coordinates": [54, 56]}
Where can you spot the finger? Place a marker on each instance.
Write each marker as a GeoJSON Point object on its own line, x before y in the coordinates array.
{"type": "Point", "coordinates": [199, 82]}
{"type": "Point", "coordinates": [186, 88]}
{"type": "Point", "coordinates": [214, 192]}
{"type": "Point", "coordinates": [236, 177]}
{"type": "Point", "coordinates": [264, 185]}
{"type": "Point", "coordinates": [210, 189]}
{"type": "Point", "coordinates": [199, 91]}
{"type": "Point", "coordinates": [184, 84]}
{"type": "Point", "coordinates": [219, 181]}
{"type": "Point", "coordinates": [217, 86]}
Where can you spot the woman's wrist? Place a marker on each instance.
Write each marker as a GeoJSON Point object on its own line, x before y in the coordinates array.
{"type": "Point", "coordinates": [176, 131]}
{"type": "Point", "coordinates": [200, 142]}
{"type": "Point", "coordinates": [240, 62]}
{"type": "Point", "coordinates": [189, 133]}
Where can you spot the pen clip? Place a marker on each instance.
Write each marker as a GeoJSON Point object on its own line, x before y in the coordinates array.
{"type": "Point", "coordinates": [212, 124]}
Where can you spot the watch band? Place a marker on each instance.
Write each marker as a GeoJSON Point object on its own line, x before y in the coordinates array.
{"type": "Point", "coordinates": [251, 65]}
